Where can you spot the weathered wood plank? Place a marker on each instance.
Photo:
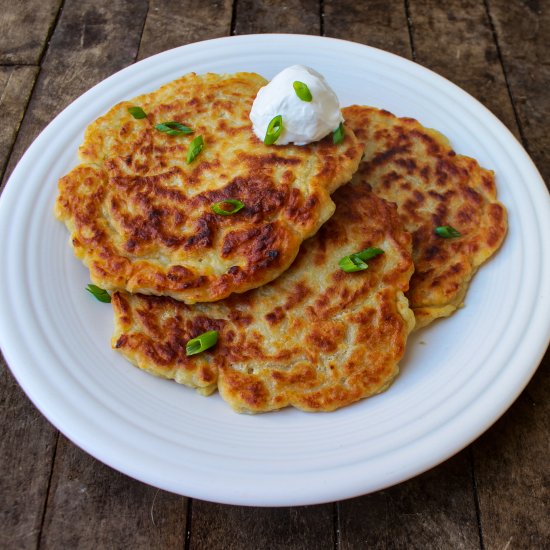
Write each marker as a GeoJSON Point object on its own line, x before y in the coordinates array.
{"type": "Point", "coordinates": [235, 527]}
{"type": "Point", "coordinates": [216, 526]}
{"type": "Point", "coordinates": [15, 89]}
{"type": "Point", "coordinates": [92, 506]}
{"type": "Point", "coordinates": [512, 458]}
{"type": "Point", "coordinates": [286, 16]}
{"type": "Point", "coordinates": [172, 23]}
{"type": "Point", "coordinates": [27, 444]}
{"type": "Point", "coordinates": [434, 510]}
{"type": "Point", "coordinates": [511, 465]}
{"type": "Point", "coordinates": [378, 23]}
{"type": "Point", "coordinates": [523, 30]}
{"type": "Point", "coordinates": [454, 39]}
{"type": "Point", "coordinates": [101, 39]}
{"type": "Point", "coordinates": [470, 58]}
{"type": "Point", "coordinates": [91, 42]}
{"type": "Point", "coordinates": [437, 509]}
{"type": "Point", "coordinates": [64, 491]}
{"type": "Point", "coordinates": [24, 29]}
{"type": "Point", "coordinates": [415, 508]}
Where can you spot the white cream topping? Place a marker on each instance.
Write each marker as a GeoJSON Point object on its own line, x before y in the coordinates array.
{"type": "Point", "coordinates": [303, 121]}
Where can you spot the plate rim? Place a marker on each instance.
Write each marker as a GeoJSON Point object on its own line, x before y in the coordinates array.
{"type": "Point", "coordinates": [12, 355]}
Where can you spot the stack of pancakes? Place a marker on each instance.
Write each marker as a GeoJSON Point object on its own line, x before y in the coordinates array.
{"type": "Point", "coordinates": [293, 327]}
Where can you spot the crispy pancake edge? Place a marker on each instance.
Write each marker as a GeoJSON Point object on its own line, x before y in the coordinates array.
{"type": "Point", "coordinates": [316, 338]}
{"type": "Point", "coordinates": [141, 219]}
{"type": "Point", "coordinates": [416, 168]}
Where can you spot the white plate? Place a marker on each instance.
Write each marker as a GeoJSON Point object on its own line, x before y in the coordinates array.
{"type": "Point", "coordinates": [457, 377]}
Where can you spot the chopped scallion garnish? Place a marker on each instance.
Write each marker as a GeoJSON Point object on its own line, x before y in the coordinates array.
{"type": "Point", "coordinates": [357, 261]}
{"type": "Point", "coordinates": [137, 112]}
{"type": "Point", "coordinates": [352, 263]}
{"type": "Point", "coordinates": [202, 342]}
{"type": "Point", "coordinates": [274, 130]}
{"type": "Point", "coordinates": [99, 293]}
{"type": "Point", "coordinates": [173, 128]}
{"type": "Point", "coordinates": [369, 253]}
{"type": "Point", "coordinates": [447, 232]}
{"type": "Point", "coordinates": [338, 134]}
{"type": "Point", "coordinates": [218, 207]}
{"type": "Point", "coordinates": [197, 145]}
{"type": "Point", "coordinates": [302, 91]}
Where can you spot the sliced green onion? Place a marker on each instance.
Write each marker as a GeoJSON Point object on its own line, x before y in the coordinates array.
{"type": "Point", "coordinates": [218, 207]}
{"type": "Point", "coordinates": [352, 263]}
{"type": "Point", "coordinates": [338, 134]}
{"type": "Point", "coordinates": [173, 128]}
{"type": "Point", "coordinates": [99, 293]}
{"type": "Point", "coordinates": [356, 262]}
{"type": "Point", "coordinates": [274, 130]}
{"type": "Point", "coordinates": [197, 145]}
{"type": "Point", "coordinates": [137, 112]}
{"type": "Point", "coordinates": [369, 253]}
{"type": "Point", "coordinates": [447, 232]}
{"type": "Point", "coordinates": [302, 91]}
{"type": "Point", "coordinates": [202, 342]}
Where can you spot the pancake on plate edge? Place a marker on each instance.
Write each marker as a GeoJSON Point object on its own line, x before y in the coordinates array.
{"type": "Point", "coordinates": [316, 338]}
{"type": "Point", "coordinates": [416, 168]}
{"type": "Point", "coordinates": [141, 218]}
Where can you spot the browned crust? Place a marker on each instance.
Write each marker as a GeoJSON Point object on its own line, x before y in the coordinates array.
{"type": "Point", "coordinates": [316, 338]}
{"type": "Point", "coordinates": [417, 169]}
{"type": "Point", "coordinates": [140, 217]}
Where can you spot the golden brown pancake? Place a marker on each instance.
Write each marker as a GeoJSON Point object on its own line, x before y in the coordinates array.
{"type": "Point", "coordinates": [416, 168]}
{"type": "Point", "coordinates": [141, 217]}
{"type": "Point", "coordinates": [316, 338]}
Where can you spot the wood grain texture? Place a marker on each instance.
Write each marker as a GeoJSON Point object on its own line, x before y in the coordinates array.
{"type": "Point", "coordinates": [24, 29]}
{"type": "Point", "coordinates": [27, 445]}
{"type": "Point", "coordinates": [100, 38]}
{"type": "Point", "coordinates": [173, 23]}
{"type": "Point", "coordinates": [92, 506]}
{"type": "Point", "coordinates": [378, 23]}
{"type": "Point", "coordinates": [89, 505]}
{"type": "Point", "coordinates": [512, 458]}
{"type": "Point", "coordinates": [285, 16]}
{"type": "Point", "coordinates": [512, 474]}
{"type": "Point", "coordinates": [523, 33]}
{"type": "Point", "coordinates": [221, 527]}
{"type": "Point", "coordinates": [466, 53]}
{"type": "Point", "coordinates": [91, 42]}
{"type": "Point", "coordinates": [216, 526]}
{"type": "Point", "coordinates": [512, 484]}
{"type": "Point", "coordinates": [434, 510]}
{"type": "Point", "coordinates": [15, 89]}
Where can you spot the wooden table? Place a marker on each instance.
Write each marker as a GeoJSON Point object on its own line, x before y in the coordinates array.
{"type": "Point", "coordinates": [494, 494]}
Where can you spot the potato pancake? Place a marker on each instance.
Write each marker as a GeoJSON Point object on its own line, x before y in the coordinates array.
{"type": "Point", "coordinates": [141, 206]}
{"type": "Point", "coordinates": [317, 338]}
{"type": "Point", "coordinates": [416, 168]}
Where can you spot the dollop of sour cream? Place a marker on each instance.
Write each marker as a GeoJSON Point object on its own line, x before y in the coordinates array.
{"type": "Point", "coordinates": [303, 121]}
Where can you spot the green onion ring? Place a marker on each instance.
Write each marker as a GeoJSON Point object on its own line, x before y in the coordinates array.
{"type": "Point", "coordinates": [357, 261]}
{"type": "Point", "coordinates": [99, 293]}
{"type": "Point", "coordinates": [173, 128]}
{"type": "Point", "coordinates": [197, 145]}
{"type": "Point", "coordinates": [352, 263]}
{"type": "Point", "coordinates": [204, 341]}
{"type": "Point", "coordinates": [302, 91]}
{"type": "Point", "coordinates": [274, 130]}
{"type": "Point", "coordinates": [219, 209]}
{"type": "Point", "coordinates": [137, 112]}
{"type": "Point", "coordinates": [338, 134]}
{"type": "Point", "coordinates": [447, 232]}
